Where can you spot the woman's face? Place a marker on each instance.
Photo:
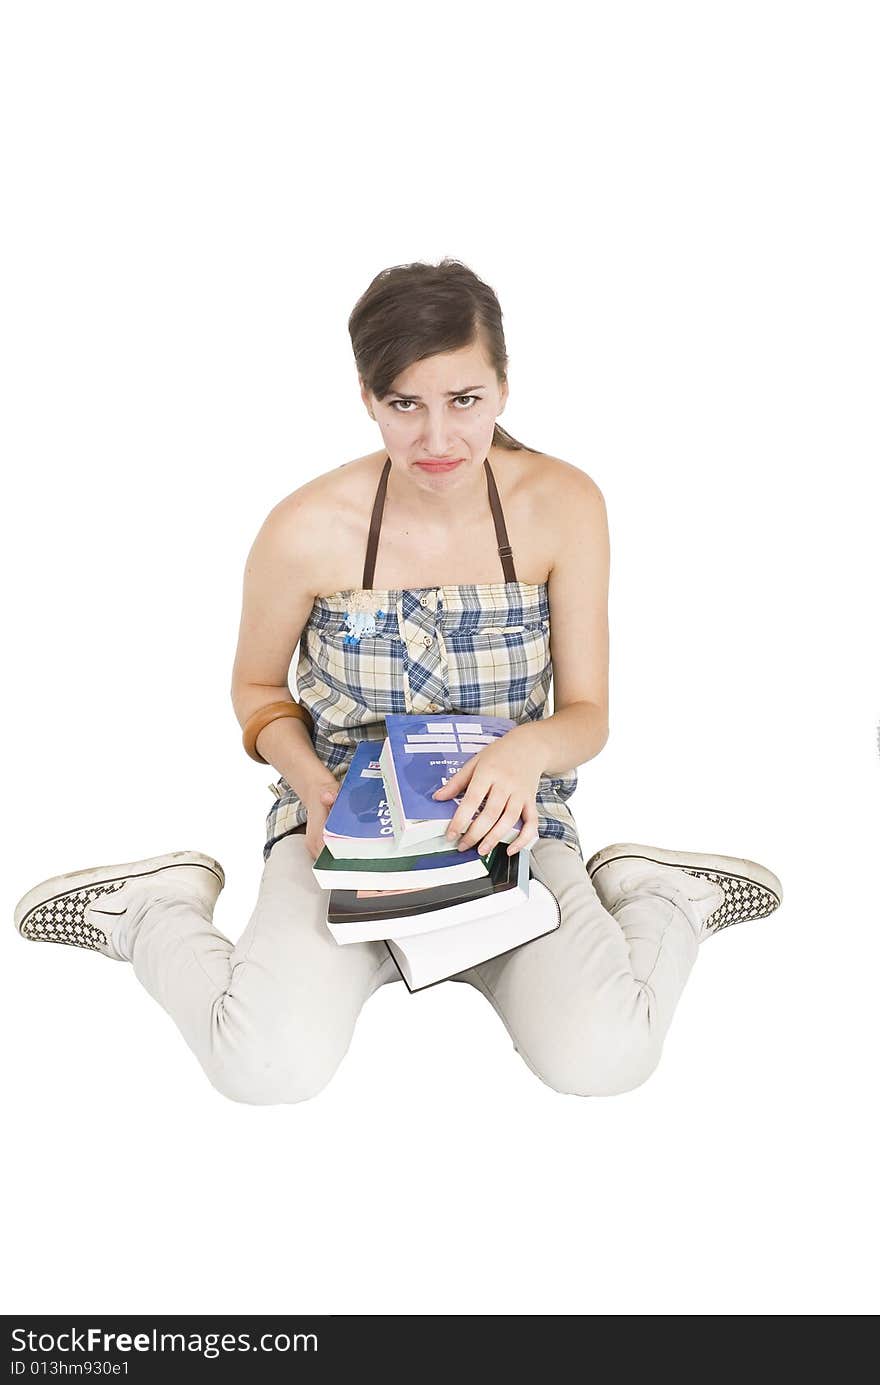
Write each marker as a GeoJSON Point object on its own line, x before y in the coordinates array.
{"type": "Point", "coordinates": [441, 408]}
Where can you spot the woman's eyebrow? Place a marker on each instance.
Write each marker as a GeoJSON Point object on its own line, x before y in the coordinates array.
{"type": "Point", "coordinates": [449, 393]}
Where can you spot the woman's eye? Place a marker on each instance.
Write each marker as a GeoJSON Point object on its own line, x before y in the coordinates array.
{"type": "Point", "coordinates": [396, 402]}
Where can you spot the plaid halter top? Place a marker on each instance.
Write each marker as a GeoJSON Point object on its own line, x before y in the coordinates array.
{"type": "Point", "coordinates": [475, 648]}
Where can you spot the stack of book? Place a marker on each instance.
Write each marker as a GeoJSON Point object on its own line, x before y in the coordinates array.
{"type": "Point", "coordinates": [392, 876]}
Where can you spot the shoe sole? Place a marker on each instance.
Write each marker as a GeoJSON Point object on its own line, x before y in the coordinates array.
{"type": "Point", "coordinates": [108, 875]}
{"type": "Point", "coordinates": [739, 867]}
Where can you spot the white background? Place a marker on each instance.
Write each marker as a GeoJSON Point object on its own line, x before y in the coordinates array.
{"type": "Point", "coordinates": [676, 205]}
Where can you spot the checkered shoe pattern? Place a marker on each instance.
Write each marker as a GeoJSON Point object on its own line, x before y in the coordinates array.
{"type": "Point", "coordinates": [743, 899]}
{"type": "Point", "coordinates": [61, 919]}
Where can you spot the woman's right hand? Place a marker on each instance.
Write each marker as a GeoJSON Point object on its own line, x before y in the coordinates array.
{"type": "Point", "coordinates": [318, 807]}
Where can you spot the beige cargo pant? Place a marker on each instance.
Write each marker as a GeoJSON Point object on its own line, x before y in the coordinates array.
{"type": "Point", "coordinates": [270, 1017]}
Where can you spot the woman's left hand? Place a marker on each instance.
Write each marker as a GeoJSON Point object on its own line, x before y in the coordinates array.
{"type": "Point", "coordinates": [508, 771]}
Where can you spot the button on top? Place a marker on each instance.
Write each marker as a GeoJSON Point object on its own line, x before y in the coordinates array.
{"type": "Point", "coordinates": [427, 641]}
{"type": "Point", "coordinates": [424, 601]}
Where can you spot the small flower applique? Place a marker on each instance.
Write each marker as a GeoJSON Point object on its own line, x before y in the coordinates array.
{"type": "Point", "coordinates": [361, 616]}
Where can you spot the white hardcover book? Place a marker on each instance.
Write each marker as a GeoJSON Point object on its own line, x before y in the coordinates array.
{"type": "Point", "coordinates": [427, 958]}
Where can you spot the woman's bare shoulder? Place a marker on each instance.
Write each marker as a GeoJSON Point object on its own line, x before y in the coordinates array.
{"type": "Point", "coordinates": [331, 496]}
{"type": "Point", "coordinates": [344, 486]}
{"type": "Point", "coordinates": [558, 493]}
{"type": "Point", "coordinates": [311, 525]}
{"type": "Point", "coordinates": [553, 475]}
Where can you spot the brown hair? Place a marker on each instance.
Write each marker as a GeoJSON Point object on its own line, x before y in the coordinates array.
{"type": "Point", "coordinates": [411, 311]}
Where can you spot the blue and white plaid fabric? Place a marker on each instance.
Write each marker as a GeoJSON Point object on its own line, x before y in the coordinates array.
{"type": "Point", "coordinates": [476, 648]}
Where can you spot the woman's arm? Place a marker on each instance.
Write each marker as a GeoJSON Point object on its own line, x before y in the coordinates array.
{"type": "Point", "coordinates": [276, 601]}
{"type": "Point", "coordinates": [579, 645]}
{"type": "Point", "coordinates": [506, 772]}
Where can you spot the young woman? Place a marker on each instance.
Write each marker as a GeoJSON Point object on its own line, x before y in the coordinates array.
{"type": "Point", "coordinates": [482, 547]}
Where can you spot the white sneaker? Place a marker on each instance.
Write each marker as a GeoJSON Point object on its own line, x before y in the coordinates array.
{"type": "Point", "coordinates": [721, 890]}
{"type": "Point", "coordinates": [78, 908]}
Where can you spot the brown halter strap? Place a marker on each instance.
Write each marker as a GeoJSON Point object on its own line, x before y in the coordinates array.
{"type": "Point", "coordinates": [504, 549]}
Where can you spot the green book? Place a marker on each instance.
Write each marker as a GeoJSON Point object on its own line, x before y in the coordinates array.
{"type": "Point", "coordinates": [419, 871]}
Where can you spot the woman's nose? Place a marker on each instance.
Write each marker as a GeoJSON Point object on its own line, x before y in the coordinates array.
{"type": "Point", "coordinates": [437, 435]}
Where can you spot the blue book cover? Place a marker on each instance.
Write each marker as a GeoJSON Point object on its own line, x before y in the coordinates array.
{"type": "Point", "coordinates": [360, 811]}
{"type": "Point", "coordinates": [427, 750]}
{"type": "Point", "coordinates": [360, 808]}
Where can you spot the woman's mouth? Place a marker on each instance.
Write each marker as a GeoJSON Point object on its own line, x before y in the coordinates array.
{"type": "Point", "coordinates": [432, 464]}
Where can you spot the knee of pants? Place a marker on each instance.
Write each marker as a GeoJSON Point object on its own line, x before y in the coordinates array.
{"type": "Point", "coordinates": [273, 1069]}
{"type": "Point", "coordinates": [597, 1060]}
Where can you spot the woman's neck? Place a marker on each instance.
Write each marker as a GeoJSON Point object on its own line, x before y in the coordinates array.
{"type": "Point", "coordinates": [434, 502]}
